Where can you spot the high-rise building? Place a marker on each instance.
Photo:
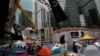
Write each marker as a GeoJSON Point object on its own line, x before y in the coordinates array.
{"type": "Point", "coordinates": [71, 10]}
{"type": "Point", "coordinates": [91, 10]}
{"type": "Point", "coordinates": [42, 21]}
{"type": "Point", "coordinates": [23, 20]}
{"type": "Point", "coordinates": [28, 5]}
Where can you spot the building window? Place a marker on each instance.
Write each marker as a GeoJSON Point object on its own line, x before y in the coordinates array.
{"type": "Point", "coordinates": [42, 38]}
{"type": "Point", "coordinates": [74, 34]}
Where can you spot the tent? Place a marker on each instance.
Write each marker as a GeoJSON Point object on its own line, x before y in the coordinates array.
{"type": "Point", "coordinates": [56, 50]}
{"type": "Point", "coordinates": [44, 51]}
{"type": "Point", "coordinates": [87, 37]}
{"type": "Point", "coordinates": [91, 50]}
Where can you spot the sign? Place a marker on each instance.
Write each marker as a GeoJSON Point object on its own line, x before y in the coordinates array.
{"type": "Point", "coordinates": [44, 3]}
{"type": "Point", "coordinates": [35, 36]}
{"type": "Point", "coordinates": [58, 12]}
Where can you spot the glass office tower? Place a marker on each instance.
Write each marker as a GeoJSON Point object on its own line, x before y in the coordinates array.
{"type": "Point", "coordinates": [91, 10]}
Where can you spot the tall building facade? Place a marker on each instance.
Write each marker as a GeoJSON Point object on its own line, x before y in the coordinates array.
{"type": "Point", "coordinates": [91, 10]}
{"type": "Point", "coordinates": [42, 21]}
{"type": "Point", "coordinates": [71, 10]}
{"type": "Point", "coordinates": [23, 20]}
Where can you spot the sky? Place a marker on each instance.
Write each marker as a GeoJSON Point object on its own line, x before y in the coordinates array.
{"type": "Point", "coordinates": [27, 5]}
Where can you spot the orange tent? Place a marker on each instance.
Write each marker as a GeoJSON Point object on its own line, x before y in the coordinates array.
{"type": "Point", "coordinates": [87, 37]}
{"type": "Point", "coordinates": [45, 52]}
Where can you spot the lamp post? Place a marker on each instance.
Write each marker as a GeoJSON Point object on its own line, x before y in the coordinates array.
{"type": "Point", "coordinates": [49, 27]}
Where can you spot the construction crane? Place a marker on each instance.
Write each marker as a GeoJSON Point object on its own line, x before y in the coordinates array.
{"type": "Point", "coordinates": [25, 14]}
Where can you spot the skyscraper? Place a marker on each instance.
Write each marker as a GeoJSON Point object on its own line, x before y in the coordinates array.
{"type": "Point", "coordinates": [71, 9]}
{"type": "Point", "coordinates": [91, 12]}
{"type": "Point", "coordinates": [41, 21]}
{"type": "Point", "coordinates": [23, 20]}
{"type": "Point", "coordinates": [28, 5]}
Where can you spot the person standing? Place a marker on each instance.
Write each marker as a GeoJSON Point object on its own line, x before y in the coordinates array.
{"type": "Point", "coordinates": [62, 42]}
{"type": "Point", "coordinates": [75, 48]}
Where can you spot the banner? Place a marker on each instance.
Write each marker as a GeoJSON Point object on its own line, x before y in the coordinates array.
{"type": "Point", "coordinates": [57, 11]}
{"type": "Point", "coordinates": [44, 3]}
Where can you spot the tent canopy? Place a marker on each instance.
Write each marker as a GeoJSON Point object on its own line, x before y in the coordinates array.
{"type": "Point", "coordinates": [91, 50]}
{"type": "Point", "coordinates": [87, 37]}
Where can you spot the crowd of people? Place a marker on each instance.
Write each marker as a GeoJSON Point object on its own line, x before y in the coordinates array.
{"type": "Point", "coordinates": [33, 48]}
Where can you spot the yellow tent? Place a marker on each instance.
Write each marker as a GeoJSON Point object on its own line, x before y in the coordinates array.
{"type": "Point", "coordinates": [87, 37]}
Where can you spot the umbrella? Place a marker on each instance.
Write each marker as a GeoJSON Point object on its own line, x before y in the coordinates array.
{"type": "Point", "coordinates": [29, 42]}
{"type": "Point", "coordinates": [91, 50]}
{"type": "Point", "coordinates": [56, 51]}
{"type": "Point", "coordinates": [55, 47]}
{"type": "Point", "coordinates": [20, 44]}
{"type": "Point", "coordinates": [45, 52]}
{"type": "Point", "coordinates": [49, 46]}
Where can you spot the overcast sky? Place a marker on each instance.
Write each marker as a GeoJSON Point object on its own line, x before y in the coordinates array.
{"type": "Point", "coordinates": [27, 5]}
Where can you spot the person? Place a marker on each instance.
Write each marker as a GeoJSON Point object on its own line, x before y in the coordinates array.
{"type": "Point", "coordinates": [30, 50]}
{"type": "Point", "coordinates": [36, 48]}
{"type": "Point", "coordinates": [62, 39]}
{"type": "Point", "coordinates": [75, 49]}
{"type": "Point", "coordinates": [70, 46]}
